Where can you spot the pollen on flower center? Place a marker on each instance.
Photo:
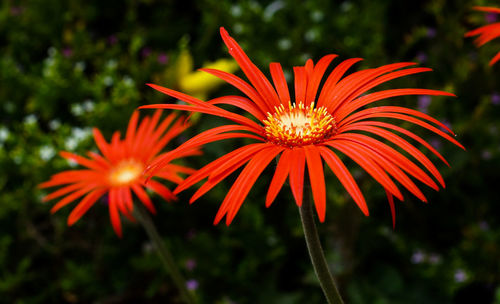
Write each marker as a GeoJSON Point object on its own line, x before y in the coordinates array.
{"type": "Point", "coordinates": [299, 125]}
{"type": "Point", "coordinates": [126, 172]}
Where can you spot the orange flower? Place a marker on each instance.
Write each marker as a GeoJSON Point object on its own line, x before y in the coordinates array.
{"type": "Point", "coordinates": [118, 172]}
{"type": "Point", "coordinates": [310, 130]}
{"type": "Point", "coordinates": [487, 32]}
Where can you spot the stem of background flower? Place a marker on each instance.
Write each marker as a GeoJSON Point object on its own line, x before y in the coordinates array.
{"type": "Point", "coordinates": [316, 252]}
{"type": "Point", "coordinates": [166, 258]}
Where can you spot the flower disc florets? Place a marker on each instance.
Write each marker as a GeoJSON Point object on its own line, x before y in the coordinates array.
{"type": "Point", "coordinates": [126, 172]}
{"type": "Point", "coordinates": [299, 125]}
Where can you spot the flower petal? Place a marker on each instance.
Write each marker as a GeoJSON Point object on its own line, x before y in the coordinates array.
{"type": "Point", "coordinates": [296, 177]}
{"type": "Point", "coordinates": [279, 177]}
{"type": "Point", "coordinates": [243, 86]}
{"type": "Point", "coordinates": [83, 161]}
{"type": "Point", "coordinates": [370, 167]}
{"type": "Point", "coordinates": [163, 191]}
{"type": "Point", "coordinates": [348, 108]}
{"type": "Point", "coordinates": [242, 103]}
{"type": "Point", "coordinates": [115, 219]}
{"type": "Point", "coordinates": [72, 197]}
{"type": "Point", "coordinates": [317, 179]}
{"type": "Point", "coordinates": [280, 82]}
{"type": "Point", "coordinates": [339, 169]}
{"type": "Point", "coordinates": [487, 9]}
{"type": "Point", "coordinates": [379, 113]}
{"type": "Point", "coordinates": [256, 77]}
{"type": "Point", "coordinates": [85, 204]}
{"type": "Point", "coordinates": [390, 199]}
{"type": "Point", "coordinates": [300, 84]}
{"type": "Point", "coordinates": [333, 79]}
{"type": "Point", "coordinates": [239, 190]}
{"type": "Point", "coordinates": [317, 75]}
{"type": "Point", "coordinates": [207, 169]}
{"type": "Point", "coordinates": [404, 145]}
{"type": "Point", "coordinates": [143, 197]}
{"type": "Point", "coordinates": [386, 164]}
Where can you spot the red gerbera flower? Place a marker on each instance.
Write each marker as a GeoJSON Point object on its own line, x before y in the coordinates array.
{"type": "Point", "coordinates": [118, 172]}
{"type": "Point", "coordinates": [316, 126]}
{"type": "Point", "coordinates": [487, 32]}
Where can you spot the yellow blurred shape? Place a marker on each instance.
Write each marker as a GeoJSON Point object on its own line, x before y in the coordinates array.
{"type": "Point", "coordinates": [198, 83]}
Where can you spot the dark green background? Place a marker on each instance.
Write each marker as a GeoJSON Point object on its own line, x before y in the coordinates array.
{"type": "Point", "coordinates": [66, 66]}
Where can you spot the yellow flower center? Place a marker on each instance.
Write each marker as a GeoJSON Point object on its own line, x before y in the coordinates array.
{"type": "Point", "coordinates": [126, 172]}
{"type": "Point", "coordinates": [299, 125]}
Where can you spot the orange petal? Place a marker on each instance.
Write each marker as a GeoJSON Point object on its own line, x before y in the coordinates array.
{"type": "Point", "coordinates": [280, 175]}
{"type": "Point", "coordinates": [345, 177]}
{"type": "Point", "coordinates": [297, 174]}
{"type": "Point", "coordinates": [317, 178]}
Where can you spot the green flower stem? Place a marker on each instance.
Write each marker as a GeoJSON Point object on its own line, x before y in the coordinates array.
{"type": "Point", "coordinates": [316, 253]}
{"type": "Point", "coordinates": [165, 256]}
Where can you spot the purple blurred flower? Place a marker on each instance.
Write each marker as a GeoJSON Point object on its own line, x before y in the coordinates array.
{"type": "Point", "coordinates": [145, 52]}
{"type": "Point", "coordinates": [460, 276]}
{"type": "Point", "coordinates": [190, 264]}
{"type": "Point", "coordinates": [446, 123]}
{"type": "Point", "coordinates": [112, 40]}
{"type": "Point", "coordinates": [67, 52]}
{"type": "Point", "coordinates": [423, 102]}
{"type": "Point", "coordinates": [16, 10]}
{"type": "Point", "coordinates": [431, 32]}
{"type": "Point", "coordinates": [162, 58]}
{"type": "Point", "coordinates": [192, 284]}
{"type": "Point", "coordinates": [491, 17]}
{"type": "Point", "coordinates": [417, 257]}
{"type": "Point", "coordinates": [434, 258]}
{"type": "Point", "coordinates": [495, 98]}
{"type": "Point", "coordinates": [435, 143]}
{"type": "Point", "coordinates": [104, 200]}
{"type": "Point", "coordinates": [421, 57]}
{"type": "Point", "coordinates": [483, 225]}
{"type": "Point", "coordinates": [191, 234]}
{"type": "Point", "coordinates": [486, 155]}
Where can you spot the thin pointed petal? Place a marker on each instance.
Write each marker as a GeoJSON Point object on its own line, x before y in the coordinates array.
{"type": "Point", "coordinates": [297, 174]}
{"type": "Point", "coordinates": [339, 169]}
{"type": "Point", "coordinates": [300, 84]}
{"type": "Point", "coordinates": [279, 177]}
{"type": "Point", "coordinates": [317, 178]}
{"type": "Point", "coordinates": [390, 199]}
{"type": "Point", "coordinates": [87, 202]}
{"type": "Point", "coordinates": [280, 82]}
{"type": "Point", "coordinates": [239, 190]}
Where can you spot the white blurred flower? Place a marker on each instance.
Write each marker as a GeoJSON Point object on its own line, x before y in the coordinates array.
{"type": "Point", "coordinates": [47, 152]}
{"type": "Point", "coordinates": [88, 105]}
{"type": "Point", "coordinates": [54, 124]}
{"type": "Point", "coordinates": [271, 9]}
{"type": "Point", "coordinates": [108, 81]}
{"type": "Point", "coordinates": [71, 144]}
{"type": "Point", "coordinates": [128, 81]}
{"type": "Point", "coordinates": [111, 64]}
{"type": "Point", "coordinates": [4, 133]}
{"type": "Point", "coordinates": [284, 44]}
{"type": "Point", "coordinates": [236, 10]}
{"type": "Point", "coordinates": [30, 119]}
{"type": "Point", "coordinates": [76, 109]}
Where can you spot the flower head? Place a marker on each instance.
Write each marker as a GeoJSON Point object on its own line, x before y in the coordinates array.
{"type": "Point", "coordinates": [118, 171]}
{"type": "Point", "coordinates": [488, 32]}
{"type": "Point", "coordinates": [311, 130]}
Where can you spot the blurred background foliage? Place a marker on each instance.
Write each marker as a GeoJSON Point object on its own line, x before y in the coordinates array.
{"type": "Point", "coordinates": [67, 66]}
